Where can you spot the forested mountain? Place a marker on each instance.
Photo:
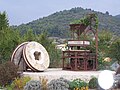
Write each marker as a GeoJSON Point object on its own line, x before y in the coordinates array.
{"type": "Point", "coordinates": [57, 24]}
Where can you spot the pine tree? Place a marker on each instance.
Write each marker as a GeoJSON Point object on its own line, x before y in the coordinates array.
{"type": "Point", "coordinates": [9, 38]}
{"type": "Point", "coordinates": [3, 21]}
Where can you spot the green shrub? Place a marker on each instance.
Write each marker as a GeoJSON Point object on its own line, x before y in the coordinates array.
{"type": "Point", "coordinates": [8, 72]}
{"type": "Point", "coordinates": [78, 84]}
{"type": "Point", "coordinates": [10, 87]}
{"type": "Point", "coordinates": [93, 83]}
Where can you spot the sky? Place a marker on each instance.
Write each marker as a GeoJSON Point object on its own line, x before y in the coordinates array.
{"type": "Point", "coordinates": [24, 11]}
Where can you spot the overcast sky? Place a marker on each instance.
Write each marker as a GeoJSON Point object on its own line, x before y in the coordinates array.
{"type": "Point", "coordinates": [24, 11]}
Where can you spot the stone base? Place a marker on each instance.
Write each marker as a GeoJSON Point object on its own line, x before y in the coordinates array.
{"type": "Point", "coordinates": [55, 73]}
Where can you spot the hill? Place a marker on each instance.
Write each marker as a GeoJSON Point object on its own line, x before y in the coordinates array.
{"type": "Point", "coordinates": [57, 24]}
{"type": "Point", "coordinates": [118, 16]}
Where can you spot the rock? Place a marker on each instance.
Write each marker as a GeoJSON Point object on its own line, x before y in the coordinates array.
{"type": "Point", "coordinates": [115, 66]}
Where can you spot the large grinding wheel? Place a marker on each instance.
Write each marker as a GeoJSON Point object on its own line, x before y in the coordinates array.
{"type": "Point", "coordinates": [36, 56]}
{"type": "Point", "coordinates": [17, 57]}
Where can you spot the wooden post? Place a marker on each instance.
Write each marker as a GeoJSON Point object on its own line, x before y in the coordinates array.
{"type": "Point", "coordinates": [63, 59]}
{"type": "Point", "coordinates": [96, 39]}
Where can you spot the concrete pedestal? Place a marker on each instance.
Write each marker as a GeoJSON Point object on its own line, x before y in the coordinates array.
{"type": "Point", "coordinates": [55, 73]}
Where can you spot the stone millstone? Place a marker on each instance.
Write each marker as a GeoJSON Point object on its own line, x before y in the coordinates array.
{"type": "Point", "coordinates": [36, 56]}
{"type": "Point", "coordinates": [17, 56]}
{"type": "Point", "coordinates": [32, 55]}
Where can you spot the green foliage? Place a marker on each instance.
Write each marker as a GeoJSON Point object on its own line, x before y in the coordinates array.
{"type": "Point", "coordinates": [8, 71]}
{"type": "Point", "coordinates": [93, 83]}
{"type": "Point", "coordinates": [3, 21]}
{"type": "Point", "coordinates": [9, 38]}
{"type": "Point", "coordinates": [78, 83]}
{"type": "Point", "coordinates": [33, 85]}
{"type": "Point", "coordinates": [101, 65]}
{"type": "Point", "coordinates": [10, 87]}
{"type": "Point", "coordinates": [115, 50]}
{"type": "Point", "coordinates": [105, 41]}
{"type": "Point", "coordinates": [55, 57]}
{"type": "Point", "coordinates": [55, 54]}
{"type": "Point", "coordinates": [43, 39]}
{"type": "Point", "coordinates": [87, 20]}
{"type": "Point", "coordinates": [29, 36]}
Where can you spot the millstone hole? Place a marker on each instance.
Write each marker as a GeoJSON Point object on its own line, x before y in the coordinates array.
{"type": "Point", "coordinates": [37, 55]}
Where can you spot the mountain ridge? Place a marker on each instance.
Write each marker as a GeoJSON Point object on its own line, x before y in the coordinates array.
{"type": "Point", "coordinates": [57, 24]}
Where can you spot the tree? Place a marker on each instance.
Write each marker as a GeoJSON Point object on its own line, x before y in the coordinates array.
{"type": "Point", "coordinates": [3, 21]}
{"type": "Point", "coordinates": [3, 28]}
{"type": "Point", "coordinates": [9, 38]}
{"type": "Point", "coordinates": [104, 42]}
{"type": "Point", "coordinates": [29, 36]}
{"type": "Point", "coordinates": [55, 54]}
{"type": "Point", "coordinates": [115, 50]}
